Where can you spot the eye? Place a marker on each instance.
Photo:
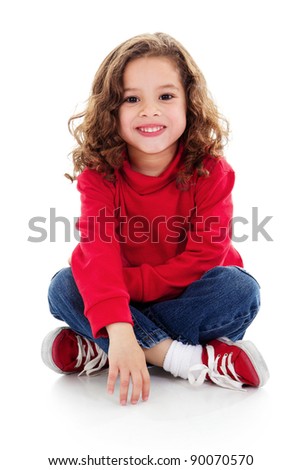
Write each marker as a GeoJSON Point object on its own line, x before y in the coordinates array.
{"type": "Point", "coordinates": [131, 99]}
{"type": "Point", "coordinates": [166, 97]}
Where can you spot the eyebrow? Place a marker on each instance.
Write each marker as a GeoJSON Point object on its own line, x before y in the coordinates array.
{"type": "Point", "coordinates": [168, 85]}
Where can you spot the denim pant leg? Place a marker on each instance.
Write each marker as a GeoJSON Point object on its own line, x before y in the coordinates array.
{"type": "Point", "coordinates": [223, 302]}
{"type": "Point", "coordinates": [66, 304]}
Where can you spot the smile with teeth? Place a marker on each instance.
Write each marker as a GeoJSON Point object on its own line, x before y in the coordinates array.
{"type": "Point", "coordinates": [151, 129]}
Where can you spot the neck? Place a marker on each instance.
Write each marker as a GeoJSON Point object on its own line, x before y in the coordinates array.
{"type": "Point", "coordinates": [153, 164]}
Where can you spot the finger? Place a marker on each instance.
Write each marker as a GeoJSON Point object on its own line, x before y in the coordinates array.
{"type": "Point", "coordinates": [145, 385]}
{"type": "Point", "coordinates": [112, 377]}
{"type": "Point", "coordinates": [136, 388]}
{"type": "Point", "coordinates": [124, 387]}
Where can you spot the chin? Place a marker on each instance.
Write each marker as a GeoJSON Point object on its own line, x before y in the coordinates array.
{"type": "Point", "coordinates": [157, 148]}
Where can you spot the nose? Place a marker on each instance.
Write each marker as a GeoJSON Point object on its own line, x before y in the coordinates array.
{"type": "Point", "coordinates": [149, 108]}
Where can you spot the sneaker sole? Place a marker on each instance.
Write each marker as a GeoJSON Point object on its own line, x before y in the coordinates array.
{"type": "Point", "coordinates": [46, 350]}
{"type": "Point", "coordinates": [256, 358]}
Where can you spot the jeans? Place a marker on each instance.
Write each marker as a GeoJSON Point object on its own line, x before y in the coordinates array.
{"type": "Point", "coordinates": [224, 302]}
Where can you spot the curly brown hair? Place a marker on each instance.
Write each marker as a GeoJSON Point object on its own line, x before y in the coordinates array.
{"type": "Point", "coordinates": [99, 145]}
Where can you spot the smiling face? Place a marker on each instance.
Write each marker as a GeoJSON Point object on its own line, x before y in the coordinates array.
{"type": "Point", "coordinates": [152, 116]}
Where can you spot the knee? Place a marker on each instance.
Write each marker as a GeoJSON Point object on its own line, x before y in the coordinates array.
{"type": "Point", "coordinates": [241, 287]}
{"type": "Point", "coordinates": [245, 288]}
{"type": "Point", "coordinates": [62, 285]}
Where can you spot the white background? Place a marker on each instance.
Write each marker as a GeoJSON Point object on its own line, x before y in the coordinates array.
{"type": "Point", "coordinates": [249, 52]}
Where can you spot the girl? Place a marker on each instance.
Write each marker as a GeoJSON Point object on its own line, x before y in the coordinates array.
{"type": "Point", "coordinates": [155, 278]}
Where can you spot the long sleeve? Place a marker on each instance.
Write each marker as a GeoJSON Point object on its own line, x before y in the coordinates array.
{"type": "Point", "coordinates": [208, 243]}
{"type": "Point", "coordinates": [96, 261]}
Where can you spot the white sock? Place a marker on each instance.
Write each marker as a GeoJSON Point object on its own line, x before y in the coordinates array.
{"type": "Point", "coordinates": [180, 357]}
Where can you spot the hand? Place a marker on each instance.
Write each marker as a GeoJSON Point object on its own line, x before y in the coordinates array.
{"type": "Point", "coordinates": [127, 360]}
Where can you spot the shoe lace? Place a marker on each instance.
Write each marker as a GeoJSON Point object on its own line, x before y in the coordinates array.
{"type": "Point", "coordinates": [197, 373]}
{"type": "Point", "coordinates": [92, 365]}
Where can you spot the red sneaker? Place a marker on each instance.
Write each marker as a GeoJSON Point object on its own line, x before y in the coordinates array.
{"type": "Point", "coordinates": [66, 352]}
{"type": "Point", "coordinates": [230, 365]}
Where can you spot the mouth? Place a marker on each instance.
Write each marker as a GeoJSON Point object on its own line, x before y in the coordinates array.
{"type": "Point", "coordinates": [151, 130]}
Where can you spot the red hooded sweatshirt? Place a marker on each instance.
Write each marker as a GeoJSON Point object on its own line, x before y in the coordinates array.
{"type": "Point", "coordinates": [145, 240]}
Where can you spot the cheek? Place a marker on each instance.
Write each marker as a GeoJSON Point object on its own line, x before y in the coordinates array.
{"type": "Point", "coordinates": [183, 120]}
{"type": "Point", "coordinates": [121, 123]}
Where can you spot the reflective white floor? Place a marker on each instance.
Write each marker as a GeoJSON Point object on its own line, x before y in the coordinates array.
{"type": "Point", "coordinates": [50, 415]}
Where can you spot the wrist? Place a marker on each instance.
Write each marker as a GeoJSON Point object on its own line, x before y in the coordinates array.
{"type": "Point", "coordinates": [119, 329]}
